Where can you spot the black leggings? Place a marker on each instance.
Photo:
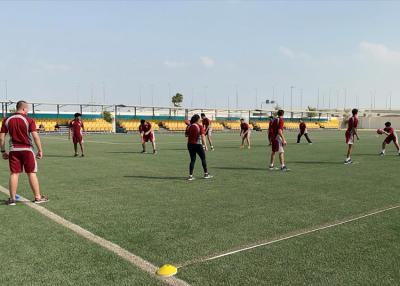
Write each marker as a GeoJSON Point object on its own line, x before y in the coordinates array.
{"type": "Point", "coordinates": [193, 150]}
{"type": "Point", "coordinates": [305, 135]}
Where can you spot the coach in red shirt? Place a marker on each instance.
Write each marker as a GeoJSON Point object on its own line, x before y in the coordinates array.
{"type": "Point", "coordinates": [21, 157]}
{"type": "Point", "coordinates": [303, 131]}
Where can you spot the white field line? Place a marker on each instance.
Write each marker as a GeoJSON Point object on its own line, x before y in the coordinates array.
{"type": "Point", "coordinates": [138, 142]}
{"type": "Point", "coordinates": [287, 237]}
{"type": "Point", "coordinates": [112, 247]}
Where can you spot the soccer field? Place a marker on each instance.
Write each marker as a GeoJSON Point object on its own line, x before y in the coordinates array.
{"type": "Point", "coordinates": [143, 203]}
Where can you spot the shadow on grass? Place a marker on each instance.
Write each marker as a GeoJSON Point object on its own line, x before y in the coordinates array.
{"type": "Point", "coordinates": [58, 156]}
{"type": "Point", "coordinates": [240, 168]}
{"type": "Point", "coordinates": [154, 177]}
{"type": "Point", "coordinates": [316, 162]}
{"type": "Point", "coordinates": [130, 152]}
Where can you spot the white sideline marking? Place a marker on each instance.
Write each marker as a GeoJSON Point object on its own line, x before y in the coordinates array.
{"type": "Point", "coordinates": [114, 248]}
{"type": "Point", "coordinates": [289, 236]}
{"type": "Point", "coordinates": [138, 142]}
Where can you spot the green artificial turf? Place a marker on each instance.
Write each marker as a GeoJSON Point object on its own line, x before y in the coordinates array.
{"type": "Point", "coordinates": [143, 203]}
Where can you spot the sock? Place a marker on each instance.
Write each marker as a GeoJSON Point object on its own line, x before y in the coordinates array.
{"type": "Point", "coordinates": [383, 151]}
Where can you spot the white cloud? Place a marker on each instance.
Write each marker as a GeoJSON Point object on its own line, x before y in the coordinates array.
{"type": "Point", "coordinates": [378, 52]}
{"type": "Point", "coordinates": [174, 64]}
{"type": "Point", "coordinates": [287, 52]}
{"type": "Point", "coordinates": [207, 62]}
{"type": "Point", "coordinates": [56, 67]}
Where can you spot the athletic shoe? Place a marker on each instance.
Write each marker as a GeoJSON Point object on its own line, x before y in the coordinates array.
{"type": "Point", "coordinates": [83, 155]}
{"type": "Point", "coordinates": [212, 148]}
{"type": "Point", "coordinates": [190, 178]}
{"type": "Point", "coordinates": [208, 176]}
{"type": "Point", "coordinates": [143, 152]}
{"type": "Point", "coordinates": [310, 143]}
{"type": "Point", "coordinates": [248, 147]}
{"type": "Point", "coordinates": [381, 154]}
{"type": "Point", "coordinates": [348, 162]}
{"type": "Point", "coordinates": [76, 155]}
{"type": "Point", "coordinates": [10, 202]}
{"type": "Point", "coordinates": [155, 152]}
{"type": "Point", "coordinates": [43, 199]}
{"type": "Point", "coordinates": [284, 169]}
{"type": "Point", "coordinates": [271, 168]}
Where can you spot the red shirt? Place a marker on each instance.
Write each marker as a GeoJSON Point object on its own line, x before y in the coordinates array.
{"type": "Point", "coordinates": [206, 123]}
{"type": "Point", "coordinates": [277, 124]}
{"type": "Point", "coordinates": [145, 127]}
{"type": "Point", "coordinates": [194, 132]}
{"type": "Point", "coordinates": [20, 127]}
{"type": "Point", "coordinates": [244, 126]}
{"type": "Point", "coordinates": [76, 125]}
{"type": "Point", "coordinates": [302, 127]}
{"type": "Point", "coordinates": [353, 123]}
{"type": "Point", "coordinates": [389, 130]}
{"type": "Point", "coordinates": [270, 130]}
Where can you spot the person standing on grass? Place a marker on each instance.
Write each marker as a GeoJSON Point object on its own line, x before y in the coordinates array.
{"type": "Point", "coordinates": [146, 135]}
{"type": "Point", "coordinates": [351, 132]}
{"type": "Point", "coordinates": [245, 133]}
{"type": "Point", "coordinates": [196, 145]}
{"type": "Point", "coordinates": [21, 157]}
{"type": "Point", "coordinates": [207, 126]}
{"type": "Point", "coordinates": [303, 131]}
{"type": "Point", "coordinates": [390, 136]}
{"type": "Point", "coordinates": [278, 141]}
{"type": "Point", "coordinates": [76, 129]}
{"type": "Point", "coordinates": [270, 130]}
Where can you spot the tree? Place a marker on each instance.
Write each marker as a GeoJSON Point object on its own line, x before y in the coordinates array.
{"type": "Point", "coordinates": [177, 99]}
{"type": "Point", "coordinates": [312, 111]}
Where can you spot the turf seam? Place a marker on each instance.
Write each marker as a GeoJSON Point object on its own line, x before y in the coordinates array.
{"type": "Point", "coordinates": [289, 236]}
{"type": "Point", "coordinates": [108, 245]}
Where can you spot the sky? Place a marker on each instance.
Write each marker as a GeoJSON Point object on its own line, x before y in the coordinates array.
{"type": "Point", "coordinates": [218, 54]}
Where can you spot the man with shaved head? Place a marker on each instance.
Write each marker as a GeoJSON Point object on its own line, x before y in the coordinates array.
{"type": "Point", "coordinates": [21, 156]}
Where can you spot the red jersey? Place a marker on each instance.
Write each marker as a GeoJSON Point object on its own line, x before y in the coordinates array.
{"type": "Point", "coordinates": [194, 132]}
{"type": "Point", "coordinates": [277, 124]}
{"type": "Point", "coordinates": [206, 123]}
{"type": "Point", "coordinates": [302, 127]}
{"type": "Point", "coordinates": [19, 126]}
{"type": "Point", "coordinates": [76, 126]}
{"type": "Point", "coordinates": [270, 130]}
{"type": "Point", "coordinates": [145, 127]}
{"type": "Point", "coordinates": [244, 126]}
{"type": "Point", "coordinates": [353, 123]}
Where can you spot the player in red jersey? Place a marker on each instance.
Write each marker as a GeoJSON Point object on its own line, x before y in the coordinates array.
{"type": "Point", "coordinates": [207, 127]}
{"type": "Point", "coordinates": [146, 135]}
{"type": "Point", "coordinates": [76, 129]}
{"type": "Point", "coordinates": [390, 136]}
{"type": "Point", "coordinates": [351, 132]}
{"type": "Point", "coordinates": [303, 131]}
{"type": "Point", "coordinates": [245, 133]}
{"type": "Point", "coordinates": [270, 130]}
{"type": "Point", "coordinates": [278, 141]}
{"type": "Point", "coordinates": [196, 146]}
{"type": "Point", "coordinates": [21, 157]}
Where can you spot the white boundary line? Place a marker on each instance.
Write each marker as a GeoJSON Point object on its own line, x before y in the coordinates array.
{"type": "Point", "coordinates": [290, 236]}
{"type": "Point", "coordinates": [112, 247]}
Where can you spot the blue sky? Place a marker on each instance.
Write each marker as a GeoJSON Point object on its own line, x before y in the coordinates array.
{"type": "Point", "coordinates": [143, 52]}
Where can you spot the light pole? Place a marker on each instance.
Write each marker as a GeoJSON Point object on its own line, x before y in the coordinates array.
{"type": "Point", "coordinates": [291, 98]}
{"type": "Point", "coordinates": [5, 88]}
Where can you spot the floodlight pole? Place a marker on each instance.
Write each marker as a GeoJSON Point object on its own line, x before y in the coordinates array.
{"type": "Point", "coordinates": [291, 100]}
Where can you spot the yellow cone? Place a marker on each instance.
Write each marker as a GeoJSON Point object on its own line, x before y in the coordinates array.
{"type": "Point", "coordinates": [167, 270]}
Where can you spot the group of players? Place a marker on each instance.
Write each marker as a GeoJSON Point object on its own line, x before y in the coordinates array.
{"type": "Point", "coordinates": [22, 131]}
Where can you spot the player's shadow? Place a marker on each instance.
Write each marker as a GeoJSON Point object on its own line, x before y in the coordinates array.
{"type": "Point", "coordinates": [57, 156]}
{"type": "Point", "coordinates": [317, 162]}
{"type": "Point", "coordinates": [241, 168]}
{"type": "Point", "coordinates": [129, 152]}
{"type": "Point", "coordinates": [154, 177]}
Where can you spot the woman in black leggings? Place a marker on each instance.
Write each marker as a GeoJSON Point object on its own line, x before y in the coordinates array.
{"type": "Point", "coordinates": [196, 140]}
